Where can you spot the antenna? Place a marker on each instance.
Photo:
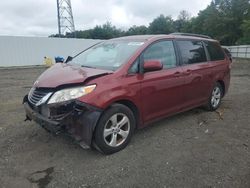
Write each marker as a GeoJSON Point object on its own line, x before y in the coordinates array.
{"type": "Point", "coordinates": [65, 17]}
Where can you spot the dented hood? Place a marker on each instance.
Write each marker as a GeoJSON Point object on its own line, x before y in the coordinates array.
{"type": "Point", "coordinates": [61, 74]}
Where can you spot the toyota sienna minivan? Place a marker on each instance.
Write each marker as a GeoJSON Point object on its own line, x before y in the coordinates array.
{"type": "Point", "coordinates": [104, 93]}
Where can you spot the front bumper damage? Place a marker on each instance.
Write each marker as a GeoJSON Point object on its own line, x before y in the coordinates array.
{"type": "Point", "coordinates": [73, 117]}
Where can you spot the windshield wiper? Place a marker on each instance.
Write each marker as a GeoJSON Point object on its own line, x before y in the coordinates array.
{"type": "Point", "coordinates": [69, 58]}
{"type": "Point", "coordinates": [88, 66]}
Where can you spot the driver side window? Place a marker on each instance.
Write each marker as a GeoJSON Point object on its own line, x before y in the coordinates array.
{"type": "Point", "coordinates": [162, 51]}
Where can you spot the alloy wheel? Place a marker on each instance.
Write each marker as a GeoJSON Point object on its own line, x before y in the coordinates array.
{"type": "Point", "coordinates": [116, 129]}
{"type": "Point", "coordinates": [216, 97]}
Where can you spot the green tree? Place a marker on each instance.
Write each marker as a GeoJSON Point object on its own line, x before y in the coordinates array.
{"type": "Point", "coordinates": [245, 39]}
{"type": "Point", "coordinates": [224, 20]}
{"type": "Point", "coordinates": [161, 25]}
{"type": "Point", "coordinates": [182, 24]}
{"type": "Point", "coordinates": [106, 31]}
{"type": "Point", "coordinates": [207, 22]}
{"type": "Point", "coordinates": [137, 30]}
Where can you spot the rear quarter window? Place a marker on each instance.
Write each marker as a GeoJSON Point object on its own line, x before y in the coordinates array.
{"type": "Point", "coordinates": [215, 51]}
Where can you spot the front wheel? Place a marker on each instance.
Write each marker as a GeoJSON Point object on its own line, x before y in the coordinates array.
{"type": "Point", "coordinates": [215, 97]}
{"type": "Point", "coordinates": [114, 129]}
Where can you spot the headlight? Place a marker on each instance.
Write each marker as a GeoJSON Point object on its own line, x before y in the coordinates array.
{"type": "Point", "coordinates": [70, 93]}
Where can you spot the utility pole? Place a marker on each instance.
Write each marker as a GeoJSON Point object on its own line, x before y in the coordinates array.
{"type": "Point", "coordinates": [65, 17]}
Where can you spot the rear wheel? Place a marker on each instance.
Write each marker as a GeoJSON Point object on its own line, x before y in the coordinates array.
{"type": "Point", "coordinates": [115, 129]}
{"type": "Point", "coordinates": [215, 97]}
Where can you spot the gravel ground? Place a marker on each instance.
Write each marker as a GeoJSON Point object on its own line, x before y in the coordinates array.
{"type": "Point", "coordinates": [193, 149]}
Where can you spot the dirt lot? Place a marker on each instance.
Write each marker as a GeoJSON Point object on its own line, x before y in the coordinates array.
{"type": "Point", "coordinates": [193, 149]}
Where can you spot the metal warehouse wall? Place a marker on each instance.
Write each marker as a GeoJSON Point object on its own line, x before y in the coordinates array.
{"type": "Point", "coordinates": [242, 51]}
{"type": "Point", "coordinates": [24, 51]}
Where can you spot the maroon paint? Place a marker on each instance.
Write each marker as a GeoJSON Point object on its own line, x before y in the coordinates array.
{"type": "Point", "coordinates": [156, 94]}
{"type": "Point", "coordinates": [152, 65]}
{"type": "Point", "coordinates": [62, 73]}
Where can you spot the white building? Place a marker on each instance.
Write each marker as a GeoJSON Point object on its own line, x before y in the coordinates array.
{"type": "Point", "coordinates": [25, 51]}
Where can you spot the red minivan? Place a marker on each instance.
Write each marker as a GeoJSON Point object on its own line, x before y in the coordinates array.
{"type": "Point", "coordinates": [104, 93]}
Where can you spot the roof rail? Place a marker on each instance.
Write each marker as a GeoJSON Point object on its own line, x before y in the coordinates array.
{"type": "Point", "coordinates": [191, 35]}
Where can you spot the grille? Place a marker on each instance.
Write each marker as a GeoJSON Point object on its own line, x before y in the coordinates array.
{"type": "Point", "coordinates": [35, 95]}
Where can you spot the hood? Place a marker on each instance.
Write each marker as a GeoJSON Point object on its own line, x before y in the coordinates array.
{"type": "Point", "coordinates": [61, 74]}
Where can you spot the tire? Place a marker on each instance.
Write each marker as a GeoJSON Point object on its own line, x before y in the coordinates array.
{"type": "Point", "coordinates": [114, 129]}
{"type": "Point", "coordinates": [215, 97]}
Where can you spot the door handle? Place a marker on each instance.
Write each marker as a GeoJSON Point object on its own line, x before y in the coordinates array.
{"type": "Point", "coordinates": [177, 74]}
{"type": "Point", "coordinates": [188, 72]}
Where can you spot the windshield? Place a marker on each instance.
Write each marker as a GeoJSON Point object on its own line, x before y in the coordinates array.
{"type": "Point", "coordinates": [109, 55]}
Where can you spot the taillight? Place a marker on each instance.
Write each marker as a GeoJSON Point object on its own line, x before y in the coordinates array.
{"type": "Point", "coordinates": [230, 64]}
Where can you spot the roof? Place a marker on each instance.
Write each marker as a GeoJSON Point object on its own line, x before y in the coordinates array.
{"type": "Point", "coordinates": [138, 37]}
{"type": "Point", "coordinates": [191, 35]}
{"type": "Point", "coordinates": [171, 36]}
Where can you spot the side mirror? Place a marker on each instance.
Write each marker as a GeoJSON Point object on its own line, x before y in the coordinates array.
{"type": "Point", "coordinates": [69, 58]}
{"type": "Point", "coordinates": [152, 65]}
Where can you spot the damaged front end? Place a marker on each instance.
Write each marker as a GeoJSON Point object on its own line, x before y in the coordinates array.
{"type": "Point", "coordinates": [74, 117]}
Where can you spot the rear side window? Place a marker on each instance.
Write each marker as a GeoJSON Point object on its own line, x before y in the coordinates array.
{"type": "Point", "coordinates": [191, 51]}
{"type": "Point", "coordinates": [163, 51]}
{"type": "Point", "coordinates": [215, 51]}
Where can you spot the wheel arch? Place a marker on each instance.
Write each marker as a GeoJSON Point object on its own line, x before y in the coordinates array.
{"type": "Point", "coordinates": [221, 82]}
{"type": "Point", "coordinates": [131, 105]}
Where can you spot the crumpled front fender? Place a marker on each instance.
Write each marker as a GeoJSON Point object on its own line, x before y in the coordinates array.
{"type": "Point", "coordinates": [74, 117]}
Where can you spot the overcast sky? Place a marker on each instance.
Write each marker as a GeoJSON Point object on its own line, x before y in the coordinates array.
{"type": "Point", "coordinates": [39, 17]}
